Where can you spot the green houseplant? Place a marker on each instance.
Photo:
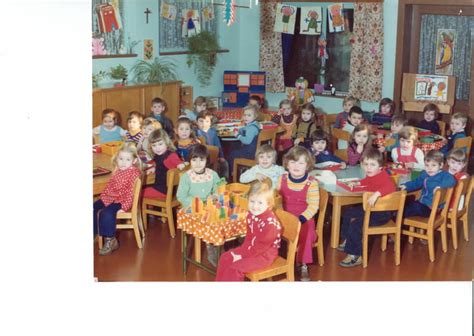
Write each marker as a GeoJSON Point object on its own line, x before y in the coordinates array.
{"type": "Point", "coordinates": [158, 71]}
{"type": "Point", "coordinates": [203, 49]}
{"type": "Point", "coordinates": [118, 72]}
{"type": "Point", "coordinates": [97, 77]}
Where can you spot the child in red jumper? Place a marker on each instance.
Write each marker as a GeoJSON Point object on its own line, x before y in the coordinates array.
{"type": "Point", "coordinates": [457, 161]}
{"type": "Point", "coordinates": [260, 247]}
{"type": "Point", "coordinates": [117, 195]}
{"type": "Point", "coordinates": [165, 158]}
{"type": "Point", "coordinates": [381, 184]}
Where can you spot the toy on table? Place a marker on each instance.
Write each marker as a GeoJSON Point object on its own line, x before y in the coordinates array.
{"type": "Point", "coordinates": [301, 94]}
{"type": "Point", "coordinates": [98, 171]}
{"type": "Point", "coordinates": [351, 184]}
{"type": "Point", "coordinates": [225, 128]}
{"type": "Point", "coordinates": [96, 148]}
{"type": "Point", "coordinates": [398, 168]}
{"type": "Point", "coordinates": [110, 148]}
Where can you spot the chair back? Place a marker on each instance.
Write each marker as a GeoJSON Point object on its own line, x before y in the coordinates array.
{"type": "Point", "coordinates": [442, 127]}
{"type": "Point", "coordinates": [323, 204]}
{"type": "Point", "coordinates": [266, 136]}
{"type": "Point", "coordinates": [96, 138]}
{"type": "Point", "coordinates": [462, 189]}
{"type": "Point", "coordinates": [213, 155]}
{"type": "Point", "coordinates": [342, 154]}
{"type": "Point", "coordinates": [172, 181]}
{"type": "Point", "coordinates": [290, 232]}
{"type": "Point", "coordinates": [328, 121]}
{"type": "Point", "coordinates": [464, 143]}
{"type": "Point", "coordinates": [441, 196]}
{"type": "Point", "coordinates": [391, 202]}
{"type": "Point", "coordinates": [202, 140]}
{"type": "Point", "coordinates": [137, 188]}
{"type": "Point", "coordinates": [339, 134]}
{"type": "Point", "coordinates": [241, 162]}
{"type": "Point", "coordinates": [469, 192]}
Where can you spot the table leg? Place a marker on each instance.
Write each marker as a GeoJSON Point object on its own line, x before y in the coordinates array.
{"type": "Point", "coordinates": [336, 221]}
{"type": "Point", "coordinates": [197, 249]}
{"type": "Point", "coordinates": [184, 239]}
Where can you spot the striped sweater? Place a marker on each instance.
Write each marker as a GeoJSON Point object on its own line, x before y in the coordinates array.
{"type": "Point", "coordinates": [312, 197]}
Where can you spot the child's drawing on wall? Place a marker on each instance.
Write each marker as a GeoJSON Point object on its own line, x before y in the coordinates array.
{"type": "Point", "coordinates": [445, 52]}
{"type": "Point", "coordinates": [285, 19]}
{"type": "Point", "coordinates": [310, 21]}
{"type": "Point", "coordinates": [335, 18]}
{"type": "Point", "coordinates": [190, 23]}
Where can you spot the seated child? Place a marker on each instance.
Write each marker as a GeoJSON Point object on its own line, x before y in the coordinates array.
{"type": "Point", "coordinates": [300, 196]}
{"type": "Point", "coordinates": [386, 110]}
{"type": "Point", "coordinates": [305, 126]}
{"type": "Point", "coordinates": [165, 158]}
{"type": "Point", "coordinates": [158, 110]}
{"type": "Point", "coordinates": [287, 120]}
{"type": "Point", "coordinates": [353, 120]}
{"type": "Point", "coordinates": [149, 125]}
{"type": "Point", "coordinates": [204, 122]}
{"type": "Point", "coordinates": [347, 103]}
{"type": "Point", "coordinates": [265, 167]}
{"type": "Point", "coordinates": [117, 195]}
{"type": "Point", "coordinates": [186, 139]}
{"type": "Point", "coordinates": [260, 247]}
{"type": "Point", "coordinates": [457, 161]}
{"type": "Point", "coordinates": [319, 144]}
{"type": "Point", "coordinates": [381, 184]}
{"type": "Point", "coordinates": [430, 114]}
{"type": "Point", "coordinates": [200, 105]}
{"type": "Point", "coordinates": [134, 122]}
{"type": "Point", "coordinates": [201, 182]}
{"type": "Point", "coordinates": [408, 154]}
{"type": "Point", "coordinates": [457, 126]}
{"type": "Point", "coordinates": [109, 130]}
{"type": "Point", "coordinates": [431, 178]}
{"type": "Point", "coordinates": [259, 103]}
{"type": "Point", "coordinates": [359, 142]}
{"type": "Point", "coordinates": [398, 122]}
{"type": "Point", "coordinates": [247, 137]}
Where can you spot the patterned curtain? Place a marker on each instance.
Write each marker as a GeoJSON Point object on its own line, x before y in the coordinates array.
{"type": "Point", "coordinates": [464, 26]}
{"type": "Point", "coordinates": [170, 30]}
{"type": "Point", "coordinates": [365, 81]}
{"type": "Point", "coordinates": [271, 60]}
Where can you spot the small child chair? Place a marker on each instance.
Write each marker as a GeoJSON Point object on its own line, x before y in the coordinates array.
{"type": "Point", "coordinates": [463, 188]}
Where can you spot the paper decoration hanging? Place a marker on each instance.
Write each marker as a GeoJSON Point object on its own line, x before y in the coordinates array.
{"type": "Point", "coordinates": [431, 87]}
{"type": "Point", "coordinates": [208, 13]}
{"type": "Point", "coordinates": [445, 51]}
{"type": "Point", "coordinates": [190, 23]}
{"type": "Point", "coordinates": [168, 11]}
{"type": "Point", "coordinates": [108, 17]}
{"type": "Point", "coordinates": [310, 20]}
{"type": "Point", "coordinates": [148, 49]}
{"type": "Point", "coordinates": [285, 19]}
{"type": "Point", "coordinates": [229, 12]}
{"type": "Point", "coordinates": [335, 18]}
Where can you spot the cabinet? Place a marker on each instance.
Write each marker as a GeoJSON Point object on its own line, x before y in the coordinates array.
{"type": "Point", "coordinates": [135, 98]}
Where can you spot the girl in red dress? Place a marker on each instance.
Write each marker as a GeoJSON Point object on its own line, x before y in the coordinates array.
{"type": "Point", "coordinates": [260, 247]}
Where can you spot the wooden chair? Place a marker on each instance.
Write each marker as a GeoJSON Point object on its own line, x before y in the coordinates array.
{"type": "Point", "coordinates": [436, 221]}
{"type": "Point", "coordinates": [96, 139]}
{"type": "Point", "coordinates": [239, 164]}
{"type": "Point", "coordinates": [290, 232]}
{"type": "Point", "coordinates": [463, 191]}
{"type": "Point", "coordinates": [213, 156]}
{"type": "Point", "coordinates": [266, 136]}
{"type": "Point", "coordinates": [328, 121]}
{"type": "Point", "coordinates": [166, 205]}
{"type": "Point", "coordinates": [392, 202]}
{"type": "Point", "coordinates": [338, 134]}
{"type": "Point", "coordinates": [464, 143]}
{"type": "Point", "coordinates": [323, 203]}
{"type": "Point", "coordinates": [442, 127]}
{"type": "Point", "coordinates": [131, 218]}
{"type": "Point", "coordinates": [202, 140]}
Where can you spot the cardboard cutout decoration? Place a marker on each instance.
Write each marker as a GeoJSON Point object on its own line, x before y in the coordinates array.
{"type": "Point", "coordinates": [445, 52]}
{"type": "Point", "coordinates": [285, 19]}
{"type": "Point", "coordinates": [190, 23]}
{"type": "Point", "coordinates": [311, 20]}
{"type": "Point", "coordinates": [335, 18]}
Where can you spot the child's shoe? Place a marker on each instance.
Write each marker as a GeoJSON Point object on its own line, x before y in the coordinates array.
{"type": "Point", "coordinates": [304, 273]}
{"type": "Point", "coordinates": [351, 261]}
{"type": "Point", "coordinates": [212, 254]}
{"type": "Point", "coordinates": [342, 246]}
{"type": "Point", "coordinates": [110, 245]}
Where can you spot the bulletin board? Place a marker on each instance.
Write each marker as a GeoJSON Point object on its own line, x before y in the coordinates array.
{"type": "Point", "coordinates": [412, 104]}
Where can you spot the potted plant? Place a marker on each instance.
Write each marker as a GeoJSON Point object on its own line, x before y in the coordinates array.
{"type": "Point", "coordinates": [119, 73]}
{"type": "Point", "coordinates": [96, 78]}
{"type": "Point", "coordinates": [158, 71]}
{"type": "Point", "coordinates": [203, 49]}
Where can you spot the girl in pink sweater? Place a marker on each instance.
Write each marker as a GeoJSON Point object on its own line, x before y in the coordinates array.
{"type": "Point", "coordinates": [359, 142]}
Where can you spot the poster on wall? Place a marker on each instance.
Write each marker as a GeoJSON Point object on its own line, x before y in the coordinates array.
{"type": "Point", "coordinates": [311, 20]}
{"type": "Point", "coordinates": [335, 18]}
{"type": "Point", "coordinates": [285, 19]}
{"type": "Point", "coordinates": [190, 23]}
{"type": "Point", "coordinates": [445, 51]}
{"type": "Point", "coordinates": [168, 11]}
{"type": "Point", "coordinates": [208, 13]}
{"type": "Point", "coordinates": [431, 87]}
{"type": "Point", "coordinates": [147, 49]}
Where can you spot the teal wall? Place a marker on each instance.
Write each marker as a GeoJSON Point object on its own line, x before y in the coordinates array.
{"type": "Point", "coordinates": [242, 39]}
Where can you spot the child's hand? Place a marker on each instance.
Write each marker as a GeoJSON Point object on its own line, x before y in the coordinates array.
{"type": "Point", "coordinates": [360, 148]}
{"type": "Point", "coordinates": [343, 165]}
{"type": "Point", "coordinates": [150, 171]}
{"type": "Point", "coordinates": [236, 132]}
{"type": "Point", "coordinates": [259, 176]}
{"type": "Point", "coordinates": [410, 165]}
{"type": "Point", "coordinates": [280, 112]}
{"type": "Point", "coordinates": [121, 210]}
{"type": "Point", "coordinates": [297, 141]}
{"type": "Point", "coordinates": [372, 199]}
{"type": "Point", "coordinates": [381, 149]}
{"type": "Point", "coordinates": [235, 257]}
{"type": "Point", "coordinates": [181, 166]}
{"type": "Point", "coordinates": [403, 187]}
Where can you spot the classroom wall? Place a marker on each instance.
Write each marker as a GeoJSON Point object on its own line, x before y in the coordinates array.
{"type": "Point", "coordinates": [242, 39]}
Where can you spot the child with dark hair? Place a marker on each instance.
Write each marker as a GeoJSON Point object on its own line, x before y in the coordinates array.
{"type": "Point", "coordinates": [158, 110]}
{"type": "Point", "coordinates": [457, 126]}
{"type": "Point", "coordinates": [134, 122]}
{"type": "Point", "coordinates": [185, 138]}
{"type": "Point", "coordinates": [319, 144]}
{"type": "Point", "coordinates": [305, 126]}
{"type": "Point", "coordinates": [457, 161]}
{"type": "Point", "coordinates": [347, 104]}
{"type": "Point", "coordinates": [386, 110]}
{"type": "Point", "coordinates": [259, 104]}
{"type": "Point", "coordinates": [430, 114]}
{"type": "Point", "coordinates": [355, 118]}
{"type": "Point", "coordinates": [398, 122]}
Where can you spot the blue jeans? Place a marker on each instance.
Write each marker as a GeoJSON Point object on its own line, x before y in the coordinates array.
{"type": "Point", "coordinates": [415, 208]}
{"type": "Point", "coordinates": [105, 218]}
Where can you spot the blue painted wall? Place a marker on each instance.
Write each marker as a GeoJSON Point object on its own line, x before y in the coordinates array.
{"type": "Point", "coordinates": [242, 39]}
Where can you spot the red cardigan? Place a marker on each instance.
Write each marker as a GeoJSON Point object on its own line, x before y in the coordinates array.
{"type": "Point", "coordinates": [382, 182]}
{"type": "Point", "coordinates": [119, 189]}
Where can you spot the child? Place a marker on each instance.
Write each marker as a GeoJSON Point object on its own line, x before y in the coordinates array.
{"type": "Point", "coordinates": [457, 126]}
{"type": "Point", "coordinates": [109, 130]}
{"type": "Point", "coordinates": [117, 195]}
{"type": "Point", "coordinates": [259, 103]}
{"type": "Point", "coordinates": [398, 122]}
{"type": "Point", "coordinates": [319, 143]}
{"type": "Point", "coordinates": [204, 122]}
{"type": "Point", "coordinates": [457, 161]}
{"type": "Point", "coordinates": [265, 167]}
{"type": "Point", "coordinates": [431, 178]}
{"type": "Point", "coordinates": [381, 184]}
{"type": "Point", "coordinates": [149, 125]}
{"type": "Point", "coordinates": [305, 126]}
{"type": "Point", "coordinates": [287, 120]}
{"type": "Point", "coordinates": [200, 105]}
{"type": "Point", "coordinates": [260, 247]}
{"type": "Point", "coordinates": [134, 122]}
{"type": "Point", "coordinates": [347, 103]}
{"type": "Point", "coordinates": [386, 110]}
{"type": "Point", "coordinates": [430, 114]}
{"type": "Point", "coordinates": [247, 137]}
{"type": "Point", "coordinates": [359, 142]}
{"type": "Point", "coordinates": [200, 182]}
{"type": "Point", "coordinates": [300, 196]}
{"type": "Point", "coordinates": [408, 154]}
{"type": "Point", "coordinates": [353, 120]}
{"type": "Point", "coordinates": [185, 138]}
{"type": "Point", "coordinates": [158, 109]}
{"type": "Point", "coordinates": [163, 152]}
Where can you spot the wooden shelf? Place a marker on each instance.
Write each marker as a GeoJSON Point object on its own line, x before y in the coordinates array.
{"type": "Point", "coordinates": [170, 53]}
{"type": "Point", "coordinates": [114, 56]}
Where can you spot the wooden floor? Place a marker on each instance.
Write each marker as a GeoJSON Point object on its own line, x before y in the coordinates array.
{"type": "Point", "coordinates": [160, 260]}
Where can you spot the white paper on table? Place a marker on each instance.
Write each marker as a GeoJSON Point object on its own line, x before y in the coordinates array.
{"type": "Point", "coordinates": [324, 176]}
{"type": "Point", "coordinates": [326, 164]}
